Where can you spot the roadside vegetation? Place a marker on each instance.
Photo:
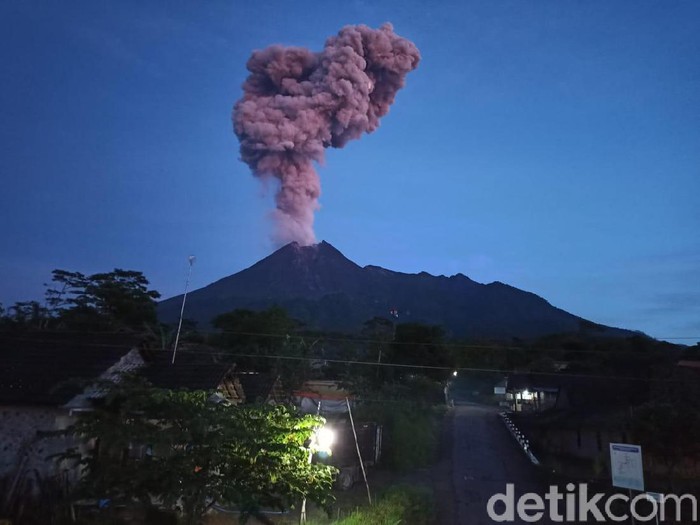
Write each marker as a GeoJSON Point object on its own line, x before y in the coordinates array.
{"type": "Point", "coordinates": [400, 505]}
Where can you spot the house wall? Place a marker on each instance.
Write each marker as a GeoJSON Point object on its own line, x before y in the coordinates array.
{"type": "Point", "coordinates": [19, 426]}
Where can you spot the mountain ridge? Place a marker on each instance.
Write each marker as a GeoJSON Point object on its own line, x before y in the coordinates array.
{"type": "Point", "coordinates": [320, 286]}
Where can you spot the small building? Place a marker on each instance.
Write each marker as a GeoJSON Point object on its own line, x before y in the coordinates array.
{"type": "Point", "coordinates": [45, 379]}
{"type": "Point", "coordinates": [201, 367]}
{"type": "Point", "coordinates": [534, 393]}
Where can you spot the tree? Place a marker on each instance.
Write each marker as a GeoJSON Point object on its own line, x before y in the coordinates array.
{"type": "Point", "coordinates": [103, 301]}
{"type": "Point", "coordinates": [25, 314]}
{"type": "Point", "coordinates": [269, 332]}
{"type": "Point", "coordinates": [199, 452]}
{"type": "Point", "coordinates": [379, 332]}
{"type": "Point", "coordinates": [256, 332]}
{"type": "Point", "coordinates": [373, 344]}
{"type": "Point", "coordinates": [422, 345]}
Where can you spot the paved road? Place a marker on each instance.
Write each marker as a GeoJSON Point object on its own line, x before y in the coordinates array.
{"type": "Point", "coordinates": [484, 458]}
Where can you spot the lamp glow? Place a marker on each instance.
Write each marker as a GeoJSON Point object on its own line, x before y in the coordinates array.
{"type": "Point", "coordinates": [325, 437]}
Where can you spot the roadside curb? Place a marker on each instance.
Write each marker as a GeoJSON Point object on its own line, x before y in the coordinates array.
{"type": "Point", "coordinates": [519, 437]}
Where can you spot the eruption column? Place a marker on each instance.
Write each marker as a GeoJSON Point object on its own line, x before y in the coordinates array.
{"type": "Point", "coordinates": [296, 103]}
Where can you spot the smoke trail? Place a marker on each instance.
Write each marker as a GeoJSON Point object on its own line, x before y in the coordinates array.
{"type": "Point", "coordinates": [296, 103]}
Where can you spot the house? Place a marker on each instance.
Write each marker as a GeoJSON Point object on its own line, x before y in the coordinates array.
{"type": "Point", "coordinates": [48, 379]}
{"type": "Point", "coordinates": [44, 381]}
{"type": "Point", "coordinates": [201, 367]}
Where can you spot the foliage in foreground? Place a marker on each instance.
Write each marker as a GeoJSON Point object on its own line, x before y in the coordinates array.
{"type": "Point", "coordinates": [399, 505]}
{"type": "Point", "coordinates": [198, 452]}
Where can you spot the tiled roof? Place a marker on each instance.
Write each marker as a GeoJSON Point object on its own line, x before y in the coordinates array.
{"type": "Point", "coordinates": [49, 369]}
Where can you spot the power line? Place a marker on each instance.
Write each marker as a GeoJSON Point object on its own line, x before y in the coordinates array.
{"type": "Point", "coordinates": [456, 346]}
{"type": "Point", "coordinates": [217, 331]}
{"type": "Point", "coordinates": [502, 371]}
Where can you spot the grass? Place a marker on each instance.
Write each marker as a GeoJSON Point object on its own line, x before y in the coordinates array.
{"type": "Point", "coordinates": [400, 505]}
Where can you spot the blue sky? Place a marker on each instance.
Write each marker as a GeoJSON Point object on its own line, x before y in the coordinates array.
{"type": "Point", "coordinates": [551, 145]}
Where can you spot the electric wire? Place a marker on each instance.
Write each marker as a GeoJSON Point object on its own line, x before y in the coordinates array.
{"type": "Point", "coordinates": [336, 339]}
{"type": "Point", "coordinates": [228, 354]}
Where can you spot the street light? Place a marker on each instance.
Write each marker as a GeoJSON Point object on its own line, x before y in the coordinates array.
{"type": "Point", "coordinates": [324, 439]}
{"type": "Point", "coordinates": [321, 441]}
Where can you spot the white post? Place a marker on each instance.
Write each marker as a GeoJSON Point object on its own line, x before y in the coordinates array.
{"type": "Point", "coordinates": [359, 455]}
{"type": "Point", "coordinates": [190, 259]}
{"type": "Point", "coordinates": [302, 513]}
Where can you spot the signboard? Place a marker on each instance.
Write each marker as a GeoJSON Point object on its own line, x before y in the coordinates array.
{"type": "Point", "coordinates": [626, 466]}
{"type": "Point", "coordinates": [499, 390]}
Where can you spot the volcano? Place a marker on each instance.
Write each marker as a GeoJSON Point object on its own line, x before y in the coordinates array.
{"type": "Point", "coordinates": [325, 290]}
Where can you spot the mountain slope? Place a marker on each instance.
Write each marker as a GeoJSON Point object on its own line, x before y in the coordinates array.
{"type": "Point", "coordinates": [324, 289]}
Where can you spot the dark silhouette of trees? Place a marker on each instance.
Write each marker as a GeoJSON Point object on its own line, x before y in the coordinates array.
{"type": "Point", "coordinates": [265, 341]}
{"type": "Point", "coordinates": [116, 300]}
{"type": "Point", "coordinates": [422, 345]}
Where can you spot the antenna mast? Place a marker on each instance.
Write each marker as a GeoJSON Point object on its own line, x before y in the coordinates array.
{"type": "Point", "coordinates": [191, 260]}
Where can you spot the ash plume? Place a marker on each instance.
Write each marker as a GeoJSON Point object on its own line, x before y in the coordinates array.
{"type": "Point", "coordinates": [296, 103]}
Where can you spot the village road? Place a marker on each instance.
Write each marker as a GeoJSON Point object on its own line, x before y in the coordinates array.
{"type": "Point", "coordinates": [485, 458]}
